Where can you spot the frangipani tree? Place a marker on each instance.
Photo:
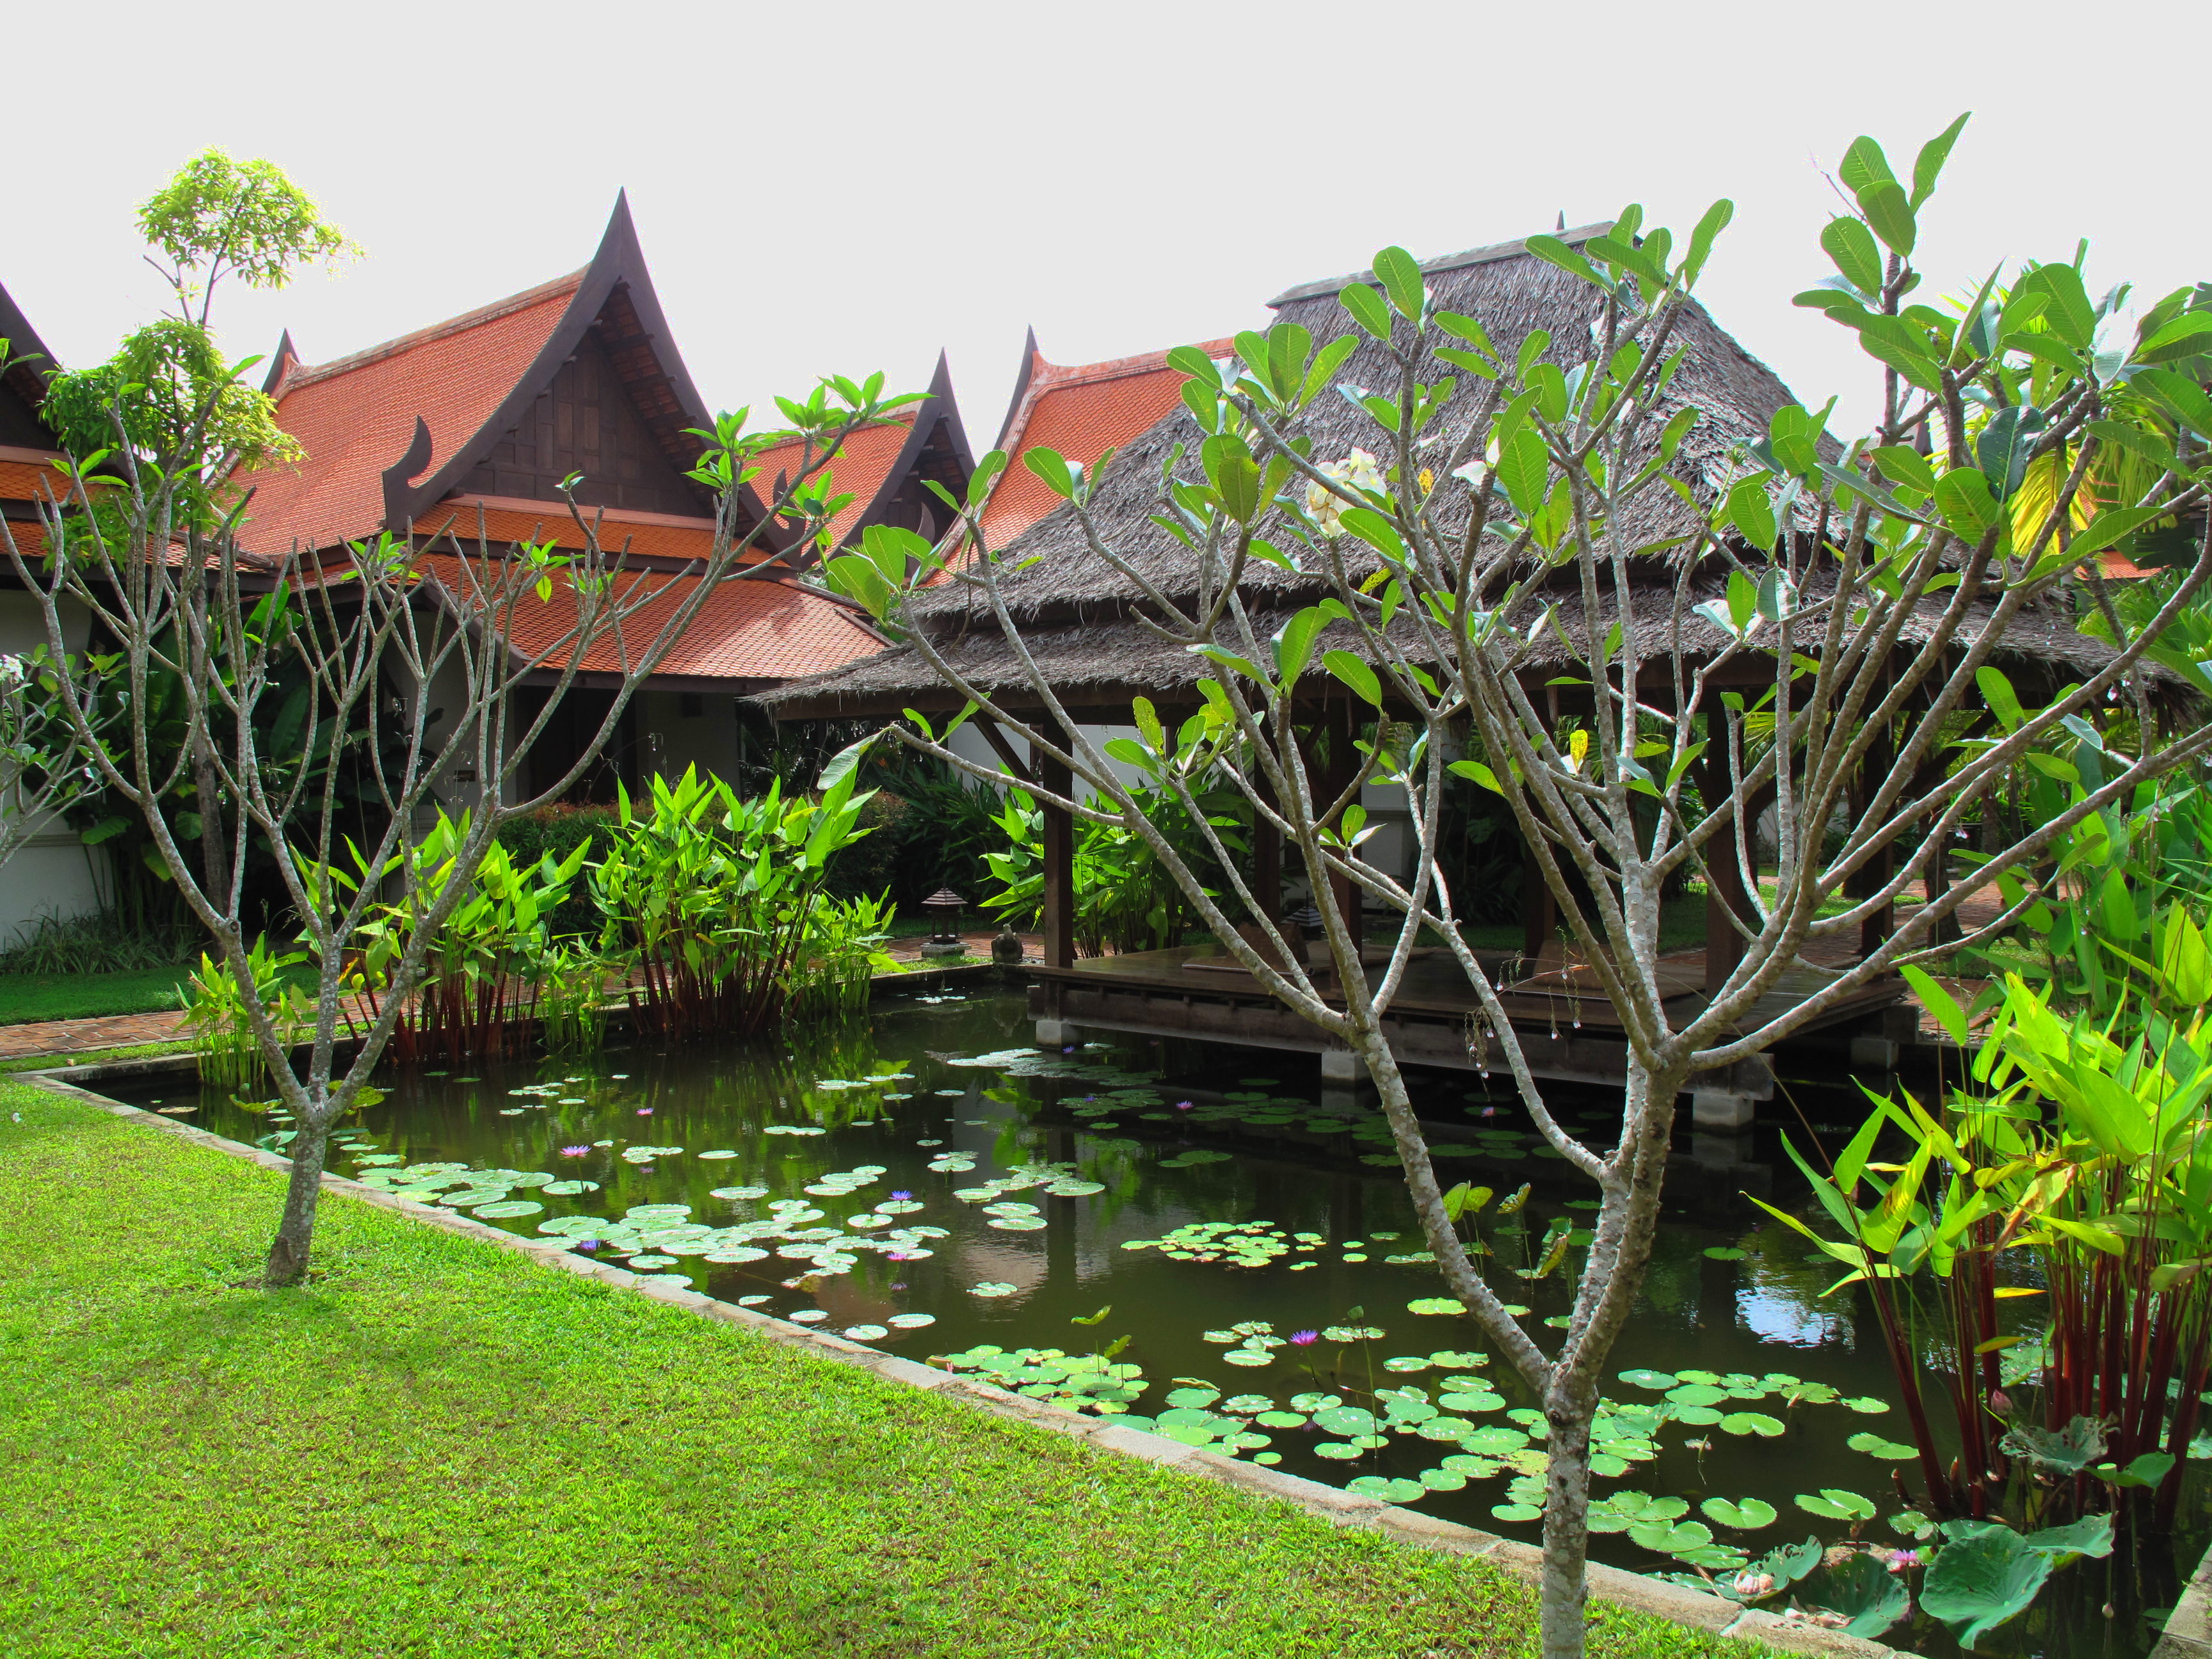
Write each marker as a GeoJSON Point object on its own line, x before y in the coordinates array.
{"type": "Point", "coordinates": [1764, 623]}
{"type": "Point", "coordinates": [44, 770]}
{"type": "Point", "coordinates": [152, 552]}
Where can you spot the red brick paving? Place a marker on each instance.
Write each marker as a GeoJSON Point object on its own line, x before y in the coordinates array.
{"type": "Point", "coordinates": [77, 1036]}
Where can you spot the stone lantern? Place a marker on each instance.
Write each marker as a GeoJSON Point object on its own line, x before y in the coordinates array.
{"type": "Point", "coordinates": [945, 909]}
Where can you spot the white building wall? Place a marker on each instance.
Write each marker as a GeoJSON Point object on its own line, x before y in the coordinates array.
{"type": "Point", "coordinates": [53, 873]}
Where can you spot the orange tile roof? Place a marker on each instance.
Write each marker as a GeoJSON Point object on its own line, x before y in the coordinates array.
{"type": "Point", "coordinates": [24, 479]}
{"type": "Point", "coordinates": [500, 521]}
{"type": "Point", "coordinates": [1081, 410]}
{"type": "Point", "coordinates": [861, 465]}
{"type": "Point", "coordinates": [757, 629]}
{"type": "Point", "coordinates": [355, 417]}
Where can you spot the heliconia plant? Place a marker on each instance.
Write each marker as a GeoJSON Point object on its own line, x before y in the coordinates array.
{"type": "Point", "coordinates": [478, 999]}
{"type": "Point", "coordinates": [218, 1013]}
{"type": "Point", "coordinates": [2073, 1175]}
{"type": "Point", "coordinates": [712, 899]}
{"type": "Point", "coordinates": [842, 952]}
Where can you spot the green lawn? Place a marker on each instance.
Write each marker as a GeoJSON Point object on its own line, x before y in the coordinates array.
{"type": "Point", "coordinates": [442, 1449]}
{"type": "Point", "coordinates": [26, 996]}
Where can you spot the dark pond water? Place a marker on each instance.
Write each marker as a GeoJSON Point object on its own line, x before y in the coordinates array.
{"type": "Point", "coordinates": [925, 1180]}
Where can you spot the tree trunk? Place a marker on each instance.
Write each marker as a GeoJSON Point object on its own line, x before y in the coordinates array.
{"type": "Point", "coordinates": [1566, 1517]}
{"type": "Point", "coordinates": [295, 1233]}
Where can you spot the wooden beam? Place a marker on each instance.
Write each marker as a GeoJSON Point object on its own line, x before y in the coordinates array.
{"type": "Point", "coordinates": [1059, 867]}
{"type": "Point", "coordinates": [1005, 751]}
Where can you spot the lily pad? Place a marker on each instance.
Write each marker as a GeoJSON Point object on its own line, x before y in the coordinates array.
{"type": "Point", "coordinates": [1389, 1490]}
{"type": "Point", "coordinates": [989, 1288]}
{"type": "Point", "coordinates": [865, 1333]}
{"type": "Point", "coordinates": [1974, 1584]}
{"type": "Point", "coordinates": [469, 1197]}
{"type": "Point", "coordinates": [1744, 1514]}
{"type": "Point", "coordinates": [506, 1209]}
{"type": "Point", "coordinates": [1659, 1380]}
{"type": "Point", "coordinates": [1876, 1446]}
{"type": "Point", "coordinates": [1347, 1420]}
{"type": "Point", "coordinates": [569, 1189]}
{"type": "Point", "coordinates": [1435, 1304]}
{"type": "Point", "coordinates": [910, 1322]}
{"type": "Point", "coordinates": [1863, 1592]}
{"type": "Point", "coordinates": [1834, 1504]}
{"type": "Point", "coordinates": [1757, 1422]}
{"type": "Point", "coordinates": [1725, 1253]}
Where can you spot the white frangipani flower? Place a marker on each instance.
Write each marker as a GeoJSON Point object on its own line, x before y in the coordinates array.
{"type": "Point", "coordinates": [1358, 470]}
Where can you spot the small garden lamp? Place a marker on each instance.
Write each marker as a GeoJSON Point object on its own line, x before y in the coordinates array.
{"type": "Point", "coordinates": [944, 907]}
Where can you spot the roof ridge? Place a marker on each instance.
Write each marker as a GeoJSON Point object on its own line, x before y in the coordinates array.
{"type": "Point", "coordinates": [1056, 375]}
{"type": "Point", "coordinates": [306, 375]}
{"type": "Point", "coordinates": [1487, 254]}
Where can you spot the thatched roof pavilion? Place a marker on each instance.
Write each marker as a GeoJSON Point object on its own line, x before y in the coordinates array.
{"type": "Point", "coordinates": [1074, 608]}
{"type": "Point", "coordinates": [1077, 613]}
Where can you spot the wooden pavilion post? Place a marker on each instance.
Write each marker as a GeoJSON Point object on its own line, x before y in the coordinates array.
{"type": "Point", "coordinates": [1724, 893]}
{"type": "Point", "coordinates": [1539, 911]}
{"type": "Point", "coordinates": [1340, 722]}
{"type": "Point", "coordinates": [1059, 867]}
{"type": "Point", "coordinates": [1266, 868]}
{"type": "Point", "coordinates": [1871, 877]}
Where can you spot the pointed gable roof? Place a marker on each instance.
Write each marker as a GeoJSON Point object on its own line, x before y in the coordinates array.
{"type": "Point", "coordinates": [23, 381]}
{"type": "Point", "coordinates": [883, 468]}
{"type": "Point", "coordinates": [1082, 411]}
{"type": "Point", "coordinates": [391, 430]}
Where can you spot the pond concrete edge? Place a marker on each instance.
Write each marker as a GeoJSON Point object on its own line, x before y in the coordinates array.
{"type": "Point", "coordinates": [1678, 1604]}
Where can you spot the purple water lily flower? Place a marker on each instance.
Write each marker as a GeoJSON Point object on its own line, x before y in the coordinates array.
{"type": "Point", "coordinates": [1900, 1560]}
{"type": "Point", "coordinates": [901, 1198]}
{"type": "Point", "coordinates": [900, 1256]}
{"type": "Point", "coordinates": [587, 1244]}
{"type": "Point", "coordinates": [1182, 1105]}
{"type": "Point", "coordinates": [1305, 1339]}
{"type": "Point", "coordinates": [573, 1152]}
{"type": "Point", "coordinates": [898, 1287]}
{"type": "Point", "coordinates": [645, 1111]}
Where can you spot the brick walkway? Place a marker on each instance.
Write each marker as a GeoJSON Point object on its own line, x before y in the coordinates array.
{"type": "Point", "coordinates": [77, 1036]}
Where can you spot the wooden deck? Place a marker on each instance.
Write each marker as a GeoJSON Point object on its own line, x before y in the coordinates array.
{"type": "Point", "coordinates": [1568, 1029]}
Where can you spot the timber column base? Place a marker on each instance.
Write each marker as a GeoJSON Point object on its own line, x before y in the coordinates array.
{"type": "Point", "coordinates": [1341, 1066]}
{"type": "Point", "coordinates": [1049, 1003]}
{"type": "Point", "coordinates": [1723, 1110]}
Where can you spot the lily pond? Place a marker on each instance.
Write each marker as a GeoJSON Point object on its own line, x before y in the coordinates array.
{"type": "Point", "coordinates": [1200, 1241]}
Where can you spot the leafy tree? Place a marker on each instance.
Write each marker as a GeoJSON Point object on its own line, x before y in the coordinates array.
{"type": "Point", "coordinates": [169, 390]}
{"type": "Point", "coordinates": [230, 638]}
{"type": "Point", "coordinates": [43, 771]}
{"type": "Point", "coordinates": [1826, 617]}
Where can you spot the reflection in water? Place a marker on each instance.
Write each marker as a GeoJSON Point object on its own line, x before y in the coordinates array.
{"type": "Point", "coordinates": [1782, 1317]}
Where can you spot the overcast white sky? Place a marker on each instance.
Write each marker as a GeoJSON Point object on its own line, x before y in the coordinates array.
{"type": "Point", "coordinates": [843, 188]}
